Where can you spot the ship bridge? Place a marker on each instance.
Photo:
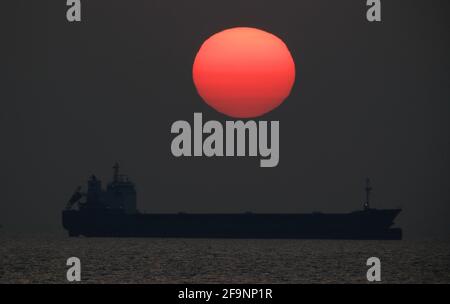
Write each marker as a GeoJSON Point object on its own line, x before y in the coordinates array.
{"type": "Point", "coordinates": [120, 195]}
{"type": "Point", "coordinates": [121, 192]}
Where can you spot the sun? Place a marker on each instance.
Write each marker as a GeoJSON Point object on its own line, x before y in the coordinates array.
{"type": "Point", "coordinates": [244, 72]}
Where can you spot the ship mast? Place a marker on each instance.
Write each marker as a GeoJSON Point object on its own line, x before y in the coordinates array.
{"type": "Point", "coordinates": [116, 173]}
{"type": "Point", "coordinates": [368, 189]}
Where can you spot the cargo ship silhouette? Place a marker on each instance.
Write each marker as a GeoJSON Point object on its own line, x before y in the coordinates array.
{"type": "Point", "coordinates": [113, 213]}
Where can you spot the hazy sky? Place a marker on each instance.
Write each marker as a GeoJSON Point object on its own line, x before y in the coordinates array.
{"type": "Point", "coordinates": [369, 100]}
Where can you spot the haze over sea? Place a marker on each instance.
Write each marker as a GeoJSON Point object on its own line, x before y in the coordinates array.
{"type": "Point", "coordinates": [42, 259]}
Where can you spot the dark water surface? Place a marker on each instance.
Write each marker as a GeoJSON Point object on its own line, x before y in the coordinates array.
{"type": "Point", "coordinates": [42, 259]}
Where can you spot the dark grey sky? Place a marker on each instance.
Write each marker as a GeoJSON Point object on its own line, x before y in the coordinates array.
{"type": "Point", "coordinates": [369, 100]}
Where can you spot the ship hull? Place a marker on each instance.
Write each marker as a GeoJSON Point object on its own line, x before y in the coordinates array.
{"type": "Point", "coordinates": [370, 224]}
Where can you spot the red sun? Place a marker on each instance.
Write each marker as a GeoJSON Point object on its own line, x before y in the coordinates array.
{"type": "Point", "coordinates": [244, 72]}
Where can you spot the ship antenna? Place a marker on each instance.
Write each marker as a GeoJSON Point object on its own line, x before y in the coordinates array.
{"type": "Point", "coordinates": [116, 172]}
{"type": "Point", "coordinates": [368, 189]}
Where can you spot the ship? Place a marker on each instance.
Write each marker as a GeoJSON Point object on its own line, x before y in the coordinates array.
{"type": "Point", "coordinates": [112, 212]}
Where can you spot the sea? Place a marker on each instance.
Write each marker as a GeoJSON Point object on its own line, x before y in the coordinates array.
{"type": "Point", "coordinates": [43, 259]}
